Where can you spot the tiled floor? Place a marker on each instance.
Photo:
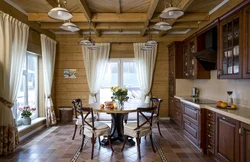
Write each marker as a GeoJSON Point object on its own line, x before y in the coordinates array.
{"type": "Point", "coordinates": [55, 144]}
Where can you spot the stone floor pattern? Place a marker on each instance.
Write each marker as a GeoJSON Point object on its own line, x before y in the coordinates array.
{"type": "Point", "coordinates": [55, 144]}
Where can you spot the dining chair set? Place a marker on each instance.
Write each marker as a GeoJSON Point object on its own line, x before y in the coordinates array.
{"type": "Point", "coordinates": [89, 127]}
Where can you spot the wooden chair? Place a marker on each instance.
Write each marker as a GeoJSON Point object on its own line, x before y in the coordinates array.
{"type": "Point", "coordinates": [139, 129]}
{"type": "Point", "coordinates": [156, 102]}
{"type": "Point", "coordinates": [76, 104]}
{"type": "Point", "coordinates": [93, 129]}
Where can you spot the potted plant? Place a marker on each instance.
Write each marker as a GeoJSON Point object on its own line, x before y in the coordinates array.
{"type": "Point", "coordinates": [119, 94]}
{"type": "Point", "coordinates": [26, 113]}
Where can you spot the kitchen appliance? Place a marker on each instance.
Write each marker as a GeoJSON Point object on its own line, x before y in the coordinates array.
{"type": "Point", "coordinates": [195, 92]}
{"type": "Point", "coordinates": [201, 101]}
{"type": "Point", "coordinates": [229, 98]}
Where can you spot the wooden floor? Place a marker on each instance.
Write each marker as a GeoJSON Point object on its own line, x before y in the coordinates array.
{"type": "Point", "coordinates": [55, 144]}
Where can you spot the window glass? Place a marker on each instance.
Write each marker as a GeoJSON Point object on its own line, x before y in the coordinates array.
{"type": "Point", "coordinates": [129, 75]}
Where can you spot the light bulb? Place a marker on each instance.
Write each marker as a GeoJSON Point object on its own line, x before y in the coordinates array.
{"type": "Point", "coordinates": [59, 13]}
{"type": "Point", "coordinates": [170, 13]}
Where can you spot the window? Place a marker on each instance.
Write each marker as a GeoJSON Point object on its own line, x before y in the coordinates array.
{"type": "Point", "coordinates": [28, 93]}
{"type": "Point", "coordinates": [121, 72]}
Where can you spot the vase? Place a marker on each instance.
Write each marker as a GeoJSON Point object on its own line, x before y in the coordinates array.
{"type": "Point", "coordinates": [26, 120]}
{"type": "Point", "coordinates": [120, 105]}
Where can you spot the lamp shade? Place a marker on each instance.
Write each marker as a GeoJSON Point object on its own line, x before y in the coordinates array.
{"type": "Point", "coordinates": [146, 48]}
{"type": "Point", "coordinates": [162, 26]}
{"type": "Point", "coordinates": [68, 26]}
{"type": "Point", "coordinates": [151, 43]}
{"type": "Point", "coordinates": [93, 47]}
{"type": "Point", "coordinates": [85, 42]}
{"type": "Point", "coordinates": [59, 13]}
{"type": "Point", "coordinates": [171, 13]}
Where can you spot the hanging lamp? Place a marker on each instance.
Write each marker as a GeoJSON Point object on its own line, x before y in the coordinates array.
{"type": "Point", "coordinates": [60, 13]}
{"type": "Point", "coordinates": [162, 26]}
{"type": "Point", "coordinates": [69, 26]}
{"type": "Point", "coordinates": [149, 43]}
{"type": "Point", "coordinates": [171, 12]}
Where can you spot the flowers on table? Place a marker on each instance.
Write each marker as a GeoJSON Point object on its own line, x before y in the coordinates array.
{"type": "Point", "coordinates": [119, 94]}
{"type": "Point", "coordinates": [26, 111]}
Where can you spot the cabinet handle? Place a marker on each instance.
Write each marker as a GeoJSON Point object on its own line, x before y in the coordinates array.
{"type": "Point", "coordinates": [172, 72]}
{"type": "Point", "coordinates": [209, 136]}
{"type": "Point", "coordinates": [209, 125]}
{"type": "Point", "coordinates": [172, 100]}
{"type": "Point", "coordinates": [209, 114]}
{"type": "Point", "coordinates": [208, 146]}
{"type": "Point", "coordinates": [224, 118]}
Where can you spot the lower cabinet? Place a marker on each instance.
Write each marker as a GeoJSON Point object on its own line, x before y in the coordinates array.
{"type": "Point", "coordinates": [245, 143]}
{"type": "Point", "coordinates": [176, 110]}
{"type": "Point", "coordinates": [227, 139]}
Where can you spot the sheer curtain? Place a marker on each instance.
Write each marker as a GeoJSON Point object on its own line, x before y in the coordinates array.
{"type": "Point", "coordinates": [13, 47]}
{"type": "Point", "coordinates": [145, 63]}
{"type": "Point", "coordinates": [95, 62]}
{"type": "Point", "coordinates": [48, 58]}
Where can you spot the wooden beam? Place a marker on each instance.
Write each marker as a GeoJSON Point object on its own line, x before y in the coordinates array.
{"type": "Point", "coordinates": [56, 25]}
{"type": "Point", "coordinates": [118, 6]}
{"type": "Point", "coordinates": [96, 17]}
{"type": "Point", "coordinates": [52, 3]}
{"type": "Point", "coordinates": [184, 4]}
{"type": "Point", "coordinates": [79, 33]}
{"type": "Point", "coordinates": [150, 12]}
{"type": "Point", "coordinates": [97, 32]}
{"type": "Point", "coordinates": [185, 25]}
{"type": "Point", "coordinates": [85, 9]}
{"type": "Point", "coordinates": [117, 26]}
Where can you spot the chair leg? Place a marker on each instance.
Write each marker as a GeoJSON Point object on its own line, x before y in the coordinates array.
{"type": "Point", "coordinates": [110, 144]}
{"type": "Point", "coordinates": [99, 139]}
{"type": "Point", "coordinates": [74, 132]}
{"type": "Point", "coordinates": [80, 132]}
{"type": "Point", "coordinates": [151, 139]}
{"type": "Point", "coordinates": [158, 124]}
{"type": "Point", "coordinates": [138, 147]}
{"type": "Point", "coordinates": [93, 144]}
{"type": "Point", "coordinates": [83, 137]}
{"type": "Point", "coordinates": [124, 141]}
{"type": "Point", "coordinates": [145, 137]}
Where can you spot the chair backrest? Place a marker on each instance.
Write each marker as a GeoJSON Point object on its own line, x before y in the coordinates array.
{"type": "Point", "coordinates": [156, 102]}
{"type": "Point", "coordinates": [148, 119]}
{"type": "Point", "coordinates": [76, 104]}
{"type": "Point", "coordinates": [85, 112]}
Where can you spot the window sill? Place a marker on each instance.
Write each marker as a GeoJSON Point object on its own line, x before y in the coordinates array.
{"type": "Point", "coordinates": [33, 122]}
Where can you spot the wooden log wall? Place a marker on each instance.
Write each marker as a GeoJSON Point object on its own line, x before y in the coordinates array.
{"type": "Point", "coordinates": [69, 55]}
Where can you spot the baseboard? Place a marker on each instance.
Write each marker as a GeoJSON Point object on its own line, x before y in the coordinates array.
{"type": "Point", "coordinates": [164, 118]}
{"type": "Point", "coordinates": [32, 132]}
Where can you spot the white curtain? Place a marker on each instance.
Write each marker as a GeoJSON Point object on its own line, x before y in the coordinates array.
{"type": "Point", "coordinates": [95, 62]}
{"type": "Point", "coordinates": [13, 46]}
{"type": "Point", "coordinates": [48, 58]}
{"type": "Point", "coordinates": [145, 63]}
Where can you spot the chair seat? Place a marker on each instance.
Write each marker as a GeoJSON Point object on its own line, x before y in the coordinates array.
{"type": "Point", "coordinates": [79, 119]}
{"type": "Point", "coordinates": [129, 129]}
{"type": "Point", "coordinates": [101, 129]}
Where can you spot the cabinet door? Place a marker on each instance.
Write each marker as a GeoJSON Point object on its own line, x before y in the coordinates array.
{"type": "Point", "coordinates": [245, 143]}
{"type": "Point", "coordinates": [171, 61]}
{"type": "Point", "coordinates": [192, 61]}
{"type": "Point", "coordinates": [185, 60]}
{"type": "Point", "coordinates": [246, 43]}
{"type": "Point", "coordinates": [227, 139]}
{"type": "Point", "coordinates": [171, 86]}
{"type": "Point", "coordinates": [230, 64]}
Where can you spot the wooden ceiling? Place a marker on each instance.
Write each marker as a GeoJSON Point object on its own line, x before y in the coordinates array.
{"type": "Point", "coordinates": [119, 15]}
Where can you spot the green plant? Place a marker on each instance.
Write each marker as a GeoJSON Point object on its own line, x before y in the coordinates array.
{"type": "Point", "coordinates": [26, 111]}
{"type": "Point", "coordinates": [119, 94]}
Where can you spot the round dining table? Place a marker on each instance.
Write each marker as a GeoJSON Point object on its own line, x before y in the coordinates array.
{"type": "Point", "coordinates": [117, 122]}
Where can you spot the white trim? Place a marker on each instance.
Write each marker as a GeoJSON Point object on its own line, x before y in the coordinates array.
{"type": "Point", "coordinates": [164, 118]}
{"type": "Point", "coordinates": [33, 122]}
{"type": "Point", "coordinates": [217, 7]}
{"type": "Point", "coordinates": [32, 132]}
{"type": "Point", "coordinates": [16, 6]}
{"type": "Point", "coordinates": [32, 53]}
{"type": "Point", "coordinates": [179, 32]}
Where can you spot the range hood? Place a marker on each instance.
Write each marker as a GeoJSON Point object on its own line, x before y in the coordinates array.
{"type": "Point", "coordinates": [208, 56]}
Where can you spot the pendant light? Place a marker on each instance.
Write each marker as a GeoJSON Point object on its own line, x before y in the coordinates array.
{"type": "Point", "coordinates": [147, 48]}
{"type": "Point", "coordinates": [171, 12]}
{"type": "Point", "coordinates": [60, 13]}
{"type": "Point", "coordinates": [89, 42]}
{"type": "Point", "coordinates": [162, 26]}
{"type": "Point", "coordinates": [69, 26]}
{"type": "Point", "coordinates": [149, 43]}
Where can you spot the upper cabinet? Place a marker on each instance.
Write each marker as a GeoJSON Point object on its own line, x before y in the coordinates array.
{"type": "Point", "coordinates": [191, 67]}
{"type": "Point", "coordinates": [230, 54]}
{"type": "Point", "coordinates": [246, 42]}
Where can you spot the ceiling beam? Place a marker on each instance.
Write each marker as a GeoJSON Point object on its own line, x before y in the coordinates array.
{"type": "Point", "coordinates": [184, 25]}
{"type": "Point", "coordinates": [52, 3]}
{"type": "Point", "coordinates": [85, 9]}
{"type": "Point", "coordinates": [56, 25]}
{"type": "Point", "coordinates": [97, 32]}
{"type": "Point", "coordinates": [79, 33]}
{"type": "Point", "coordinates": [96, 17]}
{"type": "Point", "coordinates": [117, 26]}
{"type": "Point", "coordinates": [118, 6]}
{"type": "Point", "coordinates": [150, 12]}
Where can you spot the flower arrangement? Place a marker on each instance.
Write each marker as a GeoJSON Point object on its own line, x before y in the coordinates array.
{"type": "Point", "coordinates": [26, 111]}
{"type": "Point", "coordinates": [119, 94]}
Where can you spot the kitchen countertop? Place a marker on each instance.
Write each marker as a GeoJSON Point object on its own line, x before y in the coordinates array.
{"type": "Point", "coordinates": [241, 113]}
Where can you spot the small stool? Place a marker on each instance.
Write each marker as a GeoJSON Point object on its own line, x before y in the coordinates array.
{"type": "Point", "coordinates": [66, 114]}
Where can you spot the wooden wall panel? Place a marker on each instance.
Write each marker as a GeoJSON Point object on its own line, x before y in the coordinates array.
{"type": "Point", "coordinates": [69, 56]}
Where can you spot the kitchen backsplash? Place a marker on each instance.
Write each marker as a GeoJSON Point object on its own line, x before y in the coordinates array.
{"type": "Point", "coordinates": [217, 88]}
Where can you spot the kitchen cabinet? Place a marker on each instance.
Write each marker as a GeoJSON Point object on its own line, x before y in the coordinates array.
{"type": "Point", "coordinates": [175, 60]}
{"type": "Point", "coordinates": [172, 107]}
{"type": "Point", "coordinates": [191, 67]}
{"type": "Point", "coordinates": [230, 54]}
{"type": "Point", "coordinates": [175, 111]}
{"type": "Point", "coordinates": [210, 132]}
{"type": "Point", "coordinates": [245, 142]}
{"type": "Point", "coordinates": [246, 42]}
{"type": "Point", "coordinates": [227, 139]}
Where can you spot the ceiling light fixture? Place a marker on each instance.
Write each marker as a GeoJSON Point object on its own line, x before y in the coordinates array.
{"type": "Point", "coordinates": [149, 43]}
{"type": "Point", "coordinates": [89, 42]}
{"type": "Point", "coordinates": [60, 13]}
{"type": "Point", "coordinates": [69, 26]}
{"type": "Point", "coordinates": [171, 12]}
{"type": "Point", "coordinates": [162, 26]}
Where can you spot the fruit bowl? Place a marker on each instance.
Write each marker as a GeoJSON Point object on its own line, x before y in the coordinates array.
{"type": "Point", "coordinates": [226, 108]}
{"type": "Point", "coordinates": [108, 104]}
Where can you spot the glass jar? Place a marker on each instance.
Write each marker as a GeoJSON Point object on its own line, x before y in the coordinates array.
{"type": "Point", "coordinates": [229, 98]}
